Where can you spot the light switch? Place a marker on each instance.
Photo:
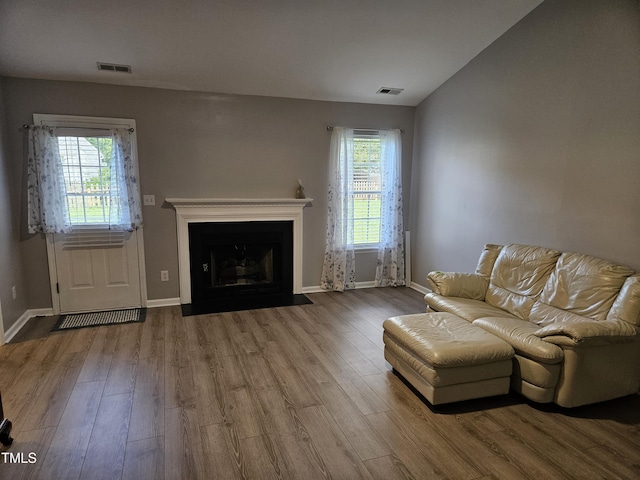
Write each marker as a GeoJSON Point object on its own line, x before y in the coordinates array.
{"type": "Point", "coordinates": [149, 199]}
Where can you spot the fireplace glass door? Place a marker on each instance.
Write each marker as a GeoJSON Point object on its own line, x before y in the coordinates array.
{"type": "Point", "coordinates": [242, 264]}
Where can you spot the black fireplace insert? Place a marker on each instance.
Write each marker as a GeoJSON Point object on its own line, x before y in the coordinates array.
{"type": "Point", "coordinates": [240, 265]}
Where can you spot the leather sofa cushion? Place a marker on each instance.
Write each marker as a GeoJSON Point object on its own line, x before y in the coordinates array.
{"type": "Point", "coordinates": [519, 274]}
{"type": "Point", "coordinates": [487, 259]}
{"type": "Point", "coordinates": [465, 308]}
{"type": "Point", "coordinates": [440, 377]}
{"type": "Point", "coordinates": [444, 340]}
{"type": "Point", "coordinates": [543, 314]}
{"type": "Point", "coordinates": [453, 284]}
{"type": "Point", "coordinates": [627, 304]}
{"type": "Point", "coordinates": [520, 334]}
{"type": "Point", "coordinates": [582, 285]}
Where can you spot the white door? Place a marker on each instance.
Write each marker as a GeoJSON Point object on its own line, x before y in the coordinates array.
{"type": "Point", "coordinates": [93, 268]}
{"type": "Point", "coordinates": [97, 270]}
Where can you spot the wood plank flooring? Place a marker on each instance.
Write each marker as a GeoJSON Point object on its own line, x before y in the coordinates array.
{"type": "Point", "coordinates": [297, 392]}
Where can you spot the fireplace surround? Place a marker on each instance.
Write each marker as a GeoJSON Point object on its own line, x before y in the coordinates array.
{"type": "Point", "coordinates": [245, 263]}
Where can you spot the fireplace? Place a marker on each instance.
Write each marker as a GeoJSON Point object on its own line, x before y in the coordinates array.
{"type": "Point", "coordinates": [240, 261]}
{"type": "Point", "coordinates": [231, 267]}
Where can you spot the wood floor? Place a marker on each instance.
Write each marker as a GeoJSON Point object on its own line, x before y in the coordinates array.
{"type": "Point", "coordinates": [297, 392]}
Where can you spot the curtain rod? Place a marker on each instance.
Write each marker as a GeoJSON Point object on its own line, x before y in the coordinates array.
{"type": "Point", "coordinates": [27, 127]}
{"type": "Point", "coordinates": [330, 129]}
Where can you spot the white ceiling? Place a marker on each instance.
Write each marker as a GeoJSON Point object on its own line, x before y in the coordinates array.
{"type": "Point", "coordinates": [339, 50]}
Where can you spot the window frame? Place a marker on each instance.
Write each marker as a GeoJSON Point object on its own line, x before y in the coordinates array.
{"type": "Point", "coordinates": [357, 135]}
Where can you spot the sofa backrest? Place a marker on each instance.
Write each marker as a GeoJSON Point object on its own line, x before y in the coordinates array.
{"type": "Point", "coordinates": [627, 304]}
{"type": "Point", "coordinates": [518, 276]}
{"type": "Point", "coordinates": [487, 259]}
{"type": "Point", "coordinates": [582, 287]}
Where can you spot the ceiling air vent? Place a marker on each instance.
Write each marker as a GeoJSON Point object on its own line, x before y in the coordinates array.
{"type": "Point", "coordinates": [390, 91]}
{"type": "Point", "coordinates": [112, 67]}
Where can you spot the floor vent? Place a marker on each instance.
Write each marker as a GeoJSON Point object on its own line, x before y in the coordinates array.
{"type": "Point", "coordinates": [112, 67]}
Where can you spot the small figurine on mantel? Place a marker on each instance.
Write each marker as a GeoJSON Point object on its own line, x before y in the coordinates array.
{"type": "Point", "coordinates": [300, 190]}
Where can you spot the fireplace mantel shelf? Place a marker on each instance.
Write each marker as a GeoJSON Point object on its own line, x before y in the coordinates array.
{"type": "Point", "coordinates": [229, 202]}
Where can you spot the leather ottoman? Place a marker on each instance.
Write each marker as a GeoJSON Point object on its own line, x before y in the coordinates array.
{"type": "Point", "coordinates": [446, 358]}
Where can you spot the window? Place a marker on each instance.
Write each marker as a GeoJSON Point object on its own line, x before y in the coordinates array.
{"type": "Point", "coordinates": [82, 173]}
{"type": "Point", "coordinates": [364, 206]}
{"type": "Point", "coordinates": [366, 189]}
{"type": "Point", "coordinates": [86, 167]}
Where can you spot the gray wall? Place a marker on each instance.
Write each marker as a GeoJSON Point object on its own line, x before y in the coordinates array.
{"type": "Point", "coordinates": [10, 256]}
{"type": "Point", "coordinates": [535, 141]}
{"type": "Point", "coordinates": [194, 144]}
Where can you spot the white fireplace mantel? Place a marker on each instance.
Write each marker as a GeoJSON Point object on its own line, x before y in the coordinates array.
{"type": "Point", "coordinates": [201, 210]}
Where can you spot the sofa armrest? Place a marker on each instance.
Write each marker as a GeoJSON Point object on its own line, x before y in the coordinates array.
{"type": "Point", "coordinates": [603, 332]}
{"type": "Point", "coordinates": [465, 285]}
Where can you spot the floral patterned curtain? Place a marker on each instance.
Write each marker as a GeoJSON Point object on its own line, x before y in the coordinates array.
{"type": "Point", "coordinates": [338, 272]}
{"type": "Point", "coordinates": [48, 211]}
{"type": "Point", "coordinates": [46, 194]}
{"type": "Point", "coordinates": [125, 209]}
{"type": "Point", "coordinates": [390, 265]}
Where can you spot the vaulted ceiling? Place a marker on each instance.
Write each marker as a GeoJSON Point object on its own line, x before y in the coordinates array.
{"type": "Point", "coordinates": [314, 49]}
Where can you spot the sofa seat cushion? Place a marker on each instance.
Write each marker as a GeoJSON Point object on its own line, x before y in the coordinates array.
{"type": "Point", "coordinates": [465, 308]}
{"type": "Point", "coordinates": [518, 276]}
{"type": "Point", "coordinates": [581, 285]}
{"type": "Point", "coordinates": [521, 335]}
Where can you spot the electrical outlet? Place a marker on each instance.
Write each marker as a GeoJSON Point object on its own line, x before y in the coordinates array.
{"type": "Point", "coordinates": [164, 275]}
{"type": "Point", "coordinates": [149, 199]}
{"type": "Point", "coordinates": [13, 292]}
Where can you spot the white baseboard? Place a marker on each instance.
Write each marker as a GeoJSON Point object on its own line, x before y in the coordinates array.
{"type": "Point", "coordinates": [419, 288]}
{"type": "Point", "coordinates": [315, 289]}
{"type": "Point", "coordinates": [23, 319]}
{"type": "Point", "coordinates": [163, 302]}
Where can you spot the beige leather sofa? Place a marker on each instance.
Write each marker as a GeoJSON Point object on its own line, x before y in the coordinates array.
{"type": "Point", "coordinates": [573, 320]}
